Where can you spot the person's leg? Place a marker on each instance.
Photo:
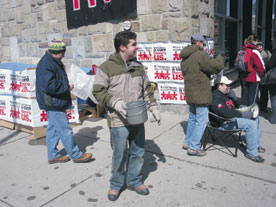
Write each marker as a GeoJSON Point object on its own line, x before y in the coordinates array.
{"type": "Point", "coordinates": [253, 89]}
{"type": "Point", "coordinates": [191, 125]}
{"type": "Point", "coordinates": [252, 131]}
{"type": "Point", "coordinates": [263, 97]}
{"type": "Point", "coordinates": [52, 137]}
{"type": "Point", "coordinates": [65, 133]}
{"type": "Point", "coordinates": [244, 93]}
{"type": "Point", "coordinates": [119, 137]}
{"type": "Point", "coordinates": [136, 156]}
{"type": "Point", "coordinates": [201, 119]}
{"type": "Point", "coordinates": [272, 92]}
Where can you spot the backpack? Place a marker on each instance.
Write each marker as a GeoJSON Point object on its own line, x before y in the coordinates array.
{"type": "Point", "coordinates": [242, 60]}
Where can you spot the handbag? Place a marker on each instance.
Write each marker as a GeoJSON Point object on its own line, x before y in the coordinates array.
{"type": "Point", "coordinates": [269, 77]}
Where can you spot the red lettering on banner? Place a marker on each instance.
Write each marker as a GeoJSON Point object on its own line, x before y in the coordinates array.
{"type": "Point", "coordinates": [92, 3]}
{"type": "Point", "coordinates": [182, 96]}
{"type": "Point", "coordinates": [169, 96]}
{"type": "Point", "coordinates": [176, 56]}
{"type": "Point", "coordinates": [162, 75]}
{"type": "Point", "coordinates": [159, 56]}
{"type": "Point", "coordinates": [25, 116]}
{"type": "Point", "coordinates": [43, 116]}
{"type": "Point", "coordinates": [144, 56]}
{"type": "Point", "coordinates": [2, 111]}
{"type": "Point", "coordinates": [2, 85]}
{"type": "Point", "coordinates": [76, 5]}
{"type": "Point", "coordinates": [177, 75]}
{"type": "Point", "coordinates": [25, 87]}
{"type": "Point", "coordinates": [15, 86]}
{"type": "Point", "coordinates": [15, 114]}
{"type": "Point", "coordinates": [69, 114]}
{"type": "Point", "coordinates": [107, 1]}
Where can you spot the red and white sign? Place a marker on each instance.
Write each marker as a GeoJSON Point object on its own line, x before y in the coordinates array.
{"type": "Point", "coordinates": [26, 111]}
{"type": "Point", "coordinates": [172, 93]}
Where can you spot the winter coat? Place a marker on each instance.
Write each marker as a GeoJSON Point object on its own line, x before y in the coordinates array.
{"type": "Point", "coordinates": [223, 106]}
{"type": "Point", "coordinates": [116, 80]}
{"type": "Point", "coordinates": [52, 86]}
{"type": "Point", "coordinates": [197, 66]}
{"type": "Point", "coordinates": [255, 67]}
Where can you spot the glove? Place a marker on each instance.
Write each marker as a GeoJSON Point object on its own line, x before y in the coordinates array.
{"type": "Point", "coordinates": [120, 107]}
{"type": "Point", "coordinates": [157, 116]}
{"type": "Point", "coordinates": [247, 114]}
{"type": "Point", "coordinates": [231, 94]}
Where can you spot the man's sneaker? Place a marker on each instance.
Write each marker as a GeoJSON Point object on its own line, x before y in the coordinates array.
{"type": "Point", "coordinates": [141, 189]}
{"type": "Point", "coordinates": [61, 159]}
{"type": "Point", "coordinates": [257, 158]}
{"type": "Point", "coordinates": [199, 153]}
{"type": "Point", "coordinates": [185, 146]}
{"type": "Point", "coordinates": [84, 158]}
{"type": "Point", "coordinates": [261, 149]}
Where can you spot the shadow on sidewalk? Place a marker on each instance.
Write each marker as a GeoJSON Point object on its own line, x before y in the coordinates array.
{"type": "Point", "coordinates": [153, 155]}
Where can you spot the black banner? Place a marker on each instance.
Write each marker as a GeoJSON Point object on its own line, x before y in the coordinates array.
{"type": "Point", "coordinates": [86, 12]}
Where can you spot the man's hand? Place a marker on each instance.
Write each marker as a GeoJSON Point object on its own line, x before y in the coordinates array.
{"type": "Point", "coordinates": [71, 86]}
{"type": "Point", "coordinates": [157, 116]}
{"type": "Point", "coordinates": [120, 107]}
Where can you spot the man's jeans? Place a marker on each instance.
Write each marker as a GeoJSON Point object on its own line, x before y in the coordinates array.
{"type": "Point", "coordinates": [127, 163]}
{"type": "Point", "coordinates": [253, 132]}
{"type": "Point", "coordinates": [59, 129]}
{"type": "Point", "coordinates": [197, 122]}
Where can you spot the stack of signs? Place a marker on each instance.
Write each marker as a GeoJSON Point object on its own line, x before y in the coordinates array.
{"type": "Point", "coordinates": [162, 64]}
{"type": "Point", "coordinates": [17, 97]}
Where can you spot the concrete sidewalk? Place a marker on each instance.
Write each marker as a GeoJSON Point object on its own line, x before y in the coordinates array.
{"type": "Point", "coordinates": [173, 177]}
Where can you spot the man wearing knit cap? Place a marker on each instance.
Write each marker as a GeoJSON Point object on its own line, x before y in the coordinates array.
{"type": "Point", "coordinates": [53, 96]}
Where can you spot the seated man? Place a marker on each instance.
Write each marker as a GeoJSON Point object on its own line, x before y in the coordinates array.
{"type": "Point", "coordinates": [223, 104]}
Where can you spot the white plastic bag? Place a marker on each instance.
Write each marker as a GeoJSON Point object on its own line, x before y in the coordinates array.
{"type": "Point", "coordinates": [83, 83]}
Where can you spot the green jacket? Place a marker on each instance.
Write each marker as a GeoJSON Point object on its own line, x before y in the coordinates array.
{"type": "Point", "coordinates": [197, 66]}
{"type": "Point", "coordinates": [116, 80]}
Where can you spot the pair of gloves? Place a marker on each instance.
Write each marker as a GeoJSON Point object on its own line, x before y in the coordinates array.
{"type": "Point", "coordinates": [120, 107]}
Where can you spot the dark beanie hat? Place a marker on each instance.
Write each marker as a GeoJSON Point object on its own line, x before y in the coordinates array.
{"type": "Point", "coordinates": [57, 46]}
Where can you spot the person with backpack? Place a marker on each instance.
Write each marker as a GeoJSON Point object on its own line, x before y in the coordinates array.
{"type": "Point", "coordinates": [251, 70]}
{"type": "Point", "coordinates": [265, 54]}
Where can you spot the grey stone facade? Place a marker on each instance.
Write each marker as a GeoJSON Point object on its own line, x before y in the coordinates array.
{"type": "Point", "coordinates": [26, 27]}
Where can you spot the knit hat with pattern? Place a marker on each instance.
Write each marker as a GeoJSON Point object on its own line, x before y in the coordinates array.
{"type": "Point", "coordinates": [57, 46]}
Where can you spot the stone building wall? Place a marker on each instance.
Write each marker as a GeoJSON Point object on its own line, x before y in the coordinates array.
{"type": "Point", "coordinates": [26, 27]}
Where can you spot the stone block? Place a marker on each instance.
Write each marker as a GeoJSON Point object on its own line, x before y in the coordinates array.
{"type": "Point", "coordinates": [161, 36]}
{"type": "Point", "coordinates": [43, 45]}
{"type": "Point", "coordinates": [82, 31]}
{"type": "Point", "coordinates": [88, 45]}
{"type": "Point", "coordinates": [49, 11]}
{"type": "Point", "coordinates": [14, 49]}
{"type": "Point", "coordinates": [32, 50]}
{"type": "Point", "coordinates": [19, 16]}
{"type": "Point", "coordinates": [159, 6]}
{"type": "Point", "coordinates": [78, 47]}
{"type": "Point", "coordinates": [142, 37]}
{"type": "Point", "coordinates": [30, 20]}
{"type": "Point", "coordinates": [100, 28]}
{"type": "Point", "coordinates": [164, 24]}
{"type": "Point", "coordinates": [175, 5]}
{"type": "Point", "coordinates": [6, 54]}
{"type": "Point", "coordinates": [11, 14]}
{"type": "Point", "coordinates": [143, 7]}
{"type": "Point", "coordinates": [103, 43]}
{"type": "Point", "coordinates": [179, 30]}
{"type": "Point", "coordinates": [151, 22]}
{"type": "Point", "coordinates": [60, 5]}
{"type": "Point", "coordinates": [135, 26]}
{"type": "Point", "coordinates": [61, 16]}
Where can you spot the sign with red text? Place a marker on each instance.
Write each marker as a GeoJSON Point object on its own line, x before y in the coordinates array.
{"type": "Point", "coordinates": [18, 83]}
{"type": "Point", "coordinates": [26, 111]}
{"type": "Point", "coordinates": [172, 93]}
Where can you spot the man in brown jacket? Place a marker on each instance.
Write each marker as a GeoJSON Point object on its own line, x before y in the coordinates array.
{"type": "Point", "coordinates": [197, 66]}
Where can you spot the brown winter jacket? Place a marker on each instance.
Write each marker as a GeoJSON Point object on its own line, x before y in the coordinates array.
{"type": "Point", "coordinates": [197, 66]}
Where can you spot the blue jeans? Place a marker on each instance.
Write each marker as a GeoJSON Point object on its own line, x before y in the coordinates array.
{"type": "Point", "coordinates": [197, 122]}
{"type": "Point", "coordinates": [127, 162]}
{"type": "Point", "coordinates": [59, 129]}
{"type": "Point", "coordinates": [253, 132]}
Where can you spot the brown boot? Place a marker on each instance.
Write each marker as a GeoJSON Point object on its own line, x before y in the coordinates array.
{"type": "Point", "coordinates": [141, 189]}
{"type": "Point", "coordinates": [84, 158]}
{"type": "Point", "coordinates": [61, 159]}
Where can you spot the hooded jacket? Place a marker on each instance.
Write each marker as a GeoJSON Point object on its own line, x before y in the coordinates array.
{"type": "Point", "coordinates": [116, 80]}
{"type": "Point", "coordinates": [255, 67]}
{"type": "Point", "coordinates": [52, 85]}
{"type": "Point", "coordinates": [197, 66]}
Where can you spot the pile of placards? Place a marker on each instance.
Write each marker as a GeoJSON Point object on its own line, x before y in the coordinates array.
{"type": "Point", "coordinates": [18, 105]}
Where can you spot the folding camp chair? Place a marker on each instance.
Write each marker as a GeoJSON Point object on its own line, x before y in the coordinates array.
{"type": "Point", "coordinates": [220, 135]}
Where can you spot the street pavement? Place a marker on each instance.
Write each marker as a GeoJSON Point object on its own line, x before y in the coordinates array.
{"type": "Point", "coordinates": [173, 177]}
